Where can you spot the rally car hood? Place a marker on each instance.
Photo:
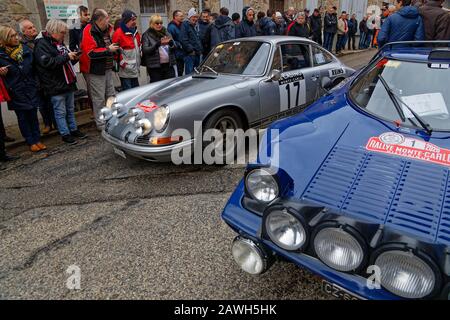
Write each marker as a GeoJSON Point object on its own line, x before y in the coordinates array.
{"type": "Point", "coordinates": [361, 167]}
{"type": "Point", "coordinates": [190, 86]}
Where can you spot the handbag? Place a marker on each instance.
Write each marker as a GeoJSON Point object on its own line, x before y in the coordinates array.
{"type": "Point", "coordinates": [4, 95]}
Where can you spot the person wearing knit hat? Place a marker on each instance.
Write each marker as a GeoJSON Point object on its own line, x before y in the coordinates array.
{"type": "Point", "coordinates": [129, 41]}
{"type": "Point", "coordinates": [190, 40]}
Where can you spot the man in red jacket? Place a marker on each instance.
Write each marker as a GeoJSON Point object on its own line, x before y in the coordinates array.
{"type": "Point", "coordinates": [96, 61]}
{"type": "Point", "coordinates": [129, 41]}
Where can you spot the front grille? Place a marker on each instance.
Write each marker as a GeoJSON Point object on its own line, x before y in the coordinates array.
{"type": "Point", "coordinates": [143, 140]}
{"type": "Point", "coordinates": [408, 195]}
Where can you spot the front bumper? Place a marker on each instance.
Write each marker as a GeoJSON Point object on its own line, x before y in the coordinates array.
{"type": "Point", "coordinates": [150, 153]}
{"type": "Point", "coordinates": [249, 224]}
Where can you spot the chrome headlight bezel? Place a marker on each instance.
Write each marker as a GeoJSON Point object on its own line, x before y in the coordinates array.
{"type": "Point", "coordinates": [105, 114]}
{"type": "Point", "coordinates": [421, 256]}
{"type": "Point", "coordinates": [290, 217]}
{"type": "Point", "coordinates": [134, 114]}
{"type": "Point", "coordinates": [161, 118]}
{"type": "Point", "coordinates": [261, 254]}
{"type": "Point", "coordinates": [142, 127]}
{"type": "Point", "coordinates": [265, 177]}
{"type": "Point", "coordinates": [353, 236]}
{"type": "Point", "coordinates": [117, 109]}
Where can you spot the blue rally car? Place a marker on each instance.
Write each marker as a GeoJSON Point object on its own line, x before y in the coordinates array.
{"type": "Point", "coordinates": [357, 188]}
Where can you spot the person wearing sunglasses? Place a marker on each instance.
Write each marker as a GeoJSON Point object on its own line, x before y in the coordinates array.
{"type": "Point", "coordinates": [158, 50]}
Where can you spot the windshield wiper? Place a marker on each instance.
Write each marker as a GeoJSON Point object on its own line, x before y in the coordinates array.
{"type": "Point", "coordinates": [397, 100]}
{"type": "Point", "coordinates": [210, 69]}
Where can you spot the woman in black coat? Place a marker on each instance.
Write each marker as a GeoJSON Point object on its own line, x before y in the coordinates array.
{"type": "Point", "coordinates": [16, 63]}
{"type": "Point", "coordinates": [158, 51]}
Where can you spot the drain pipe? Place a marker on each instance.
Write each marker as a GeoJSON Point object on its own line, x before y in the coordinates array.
{"type": "Point", "coordinates": [200, 6]}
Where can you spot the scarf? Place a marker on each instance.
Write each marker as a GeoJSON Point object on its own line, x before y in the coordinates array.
{"type": "Point", "coordinates": [159, 34]}
{"type": "Point", "coordinates": [125, 29]}
{"type": "Point", "coordinates": [69, 72]}
{"type": "Point", "coordinates": [15, 53]}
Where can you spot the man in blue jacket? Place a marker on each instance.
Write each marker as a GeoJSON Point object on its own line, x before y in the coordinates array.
{"type": "Point", "coordinates": [174, 28]}
{"type": "Point", "coordinates": [268, 26]}
{"type": "Point", "coordinates": [404, 25]}
{"type": "Point", "coordinates": [190, 40]}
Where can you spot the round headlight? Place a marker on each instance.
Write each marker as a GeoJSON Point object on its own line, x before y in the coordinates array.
{"type": "Point", "coordinates": [248, 256]}
{"type": "Point", "coordinates": [134, 115]}
{"type": "Point", "coordinates": [110, 101]}
{"type": "Point", "coordinates": [285, 230]}
{"type": "Point", "coordinates": [142, 127]}
{"type": "Point", "coordinates": [105, 114]}
{"type": "Point", "coordinates": [261, 185]}
{"type": "Point", "coordinates": [116, 109]}
{"type": "Point", "coordinates": [160, 118]}
{"type": "Point", "coordinates": [405, 274]}
{"type": "Point", "coordinates": [338, 249]}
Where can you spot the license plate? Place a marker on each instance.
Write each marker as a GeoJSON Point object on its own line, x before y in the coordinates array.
{"type": "Point", "coordinates": [338, 292]}
{"type": "Point", "coordinates": [120, 153]}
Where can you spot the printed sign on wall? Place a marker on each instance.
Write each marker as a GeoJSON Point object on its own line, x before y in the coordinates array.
{"type": "Point", "coordinates": [63, 9]}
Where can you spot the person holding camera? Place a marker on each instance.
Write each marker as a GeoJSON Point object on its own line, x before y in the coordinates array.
{"type": "Point", "coordinates": [158, 50]}
{"type": "Point", "coordinates": [96, 60]}
{"type": "Point", "coordinates": [54, 64]}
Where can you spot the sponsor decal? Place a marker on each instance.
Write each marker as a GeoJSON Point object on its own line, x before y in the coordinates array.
{"type": "Point", "coordinates": [290, 77]}
{"type": "Point", "coordinates": [397, 144]}
{"type": "Point", "coordinates": [336, 72]}
{"type": "Point", "coordinates": [147, 106]}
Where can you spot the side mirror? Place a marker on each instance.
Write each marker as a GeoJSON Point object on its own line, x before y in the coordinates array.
{"type": "Point", "coordinates": [326, 83]}
{"type": "Point", "coordinates": [275, 75]}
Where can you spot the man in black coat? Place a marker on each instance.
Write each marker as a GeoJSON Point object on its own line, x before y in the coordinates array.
{"type": "Point", "coordinates": [246, 28]}
{"type": "Point", "coordinates": [352, 30]}
{"type": "Point", "coordinates": [301, 27]}
{"type": "Point", "coordinates": [330, 28]}
{"type": "Point", "coordinates": [76, 33]}
{"type": "Point", "coordinates": [316, 26]}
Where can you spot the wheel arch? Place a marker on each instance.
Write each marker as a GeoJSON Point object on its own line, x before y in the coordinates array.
{"type": "Point", "coordinates": [235, 108]}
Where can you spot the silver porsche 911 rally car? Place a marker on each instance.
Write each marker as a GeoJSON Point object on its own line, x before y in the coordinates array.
{"type": "Point", "coordinates": [242, 83]}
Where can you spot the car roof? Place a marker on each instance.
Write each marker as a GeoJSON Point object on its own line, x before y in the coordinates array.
{"type": "Point", "coordinates": [274, 39]}
{"type": "Point", "coordinates": [409, 51]}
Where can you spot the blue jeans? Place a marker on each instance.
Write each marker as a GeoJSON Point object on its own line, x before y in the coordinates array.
{"type": "Point", "coordinates": [328, 38]}
{"type": "Point", "coordinates": [29, 125]}
{"type": "Point", "coordinates": [191, 62]}
{"type": "Point", "coordinates": [362, 40]}
{"type": "Point", "coordinates": [63, 106]}
{"type": "Point", "coordinates": [128, 83]}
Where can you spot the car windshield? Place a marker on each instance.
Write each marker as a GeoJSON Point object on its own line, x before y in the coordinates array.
{"type": "Point", "coordinates": [420, 86]}
{"type": "Point", "coordinates": [240, 57]}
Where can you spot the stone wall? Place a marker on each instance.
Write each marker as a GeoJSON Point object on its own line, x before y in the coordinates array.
{"type": "Point", "coordinates": [12, 11]}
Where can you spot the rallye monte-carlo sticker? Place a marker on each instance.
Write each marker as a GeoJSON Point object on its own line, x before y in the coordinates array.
{"type": "Point", "coordinates": [292, 88]}
{"type": "Point", "coordinates": [397, 144]}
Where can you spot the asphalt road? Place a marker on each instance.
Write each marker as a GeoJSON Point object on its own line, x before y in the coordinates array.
{"type": "Point", "coordinates": [135, 230]}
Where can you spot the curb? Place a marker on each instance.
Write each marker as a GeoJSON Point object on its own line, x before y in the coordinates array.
{"type": "Point", "coordinates": [84, 124]}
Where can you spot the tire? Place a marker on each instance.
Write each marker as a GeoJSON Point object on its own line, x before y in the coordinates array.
{"type": "Point", "coordinates": [225, 119]}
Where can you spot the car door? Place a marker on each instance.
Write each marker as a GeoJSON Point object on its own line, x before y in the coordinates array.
{"type": "Point", "coordinates": [326, 65]}
{"type": "Point", "coordinates": [299, 81]}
